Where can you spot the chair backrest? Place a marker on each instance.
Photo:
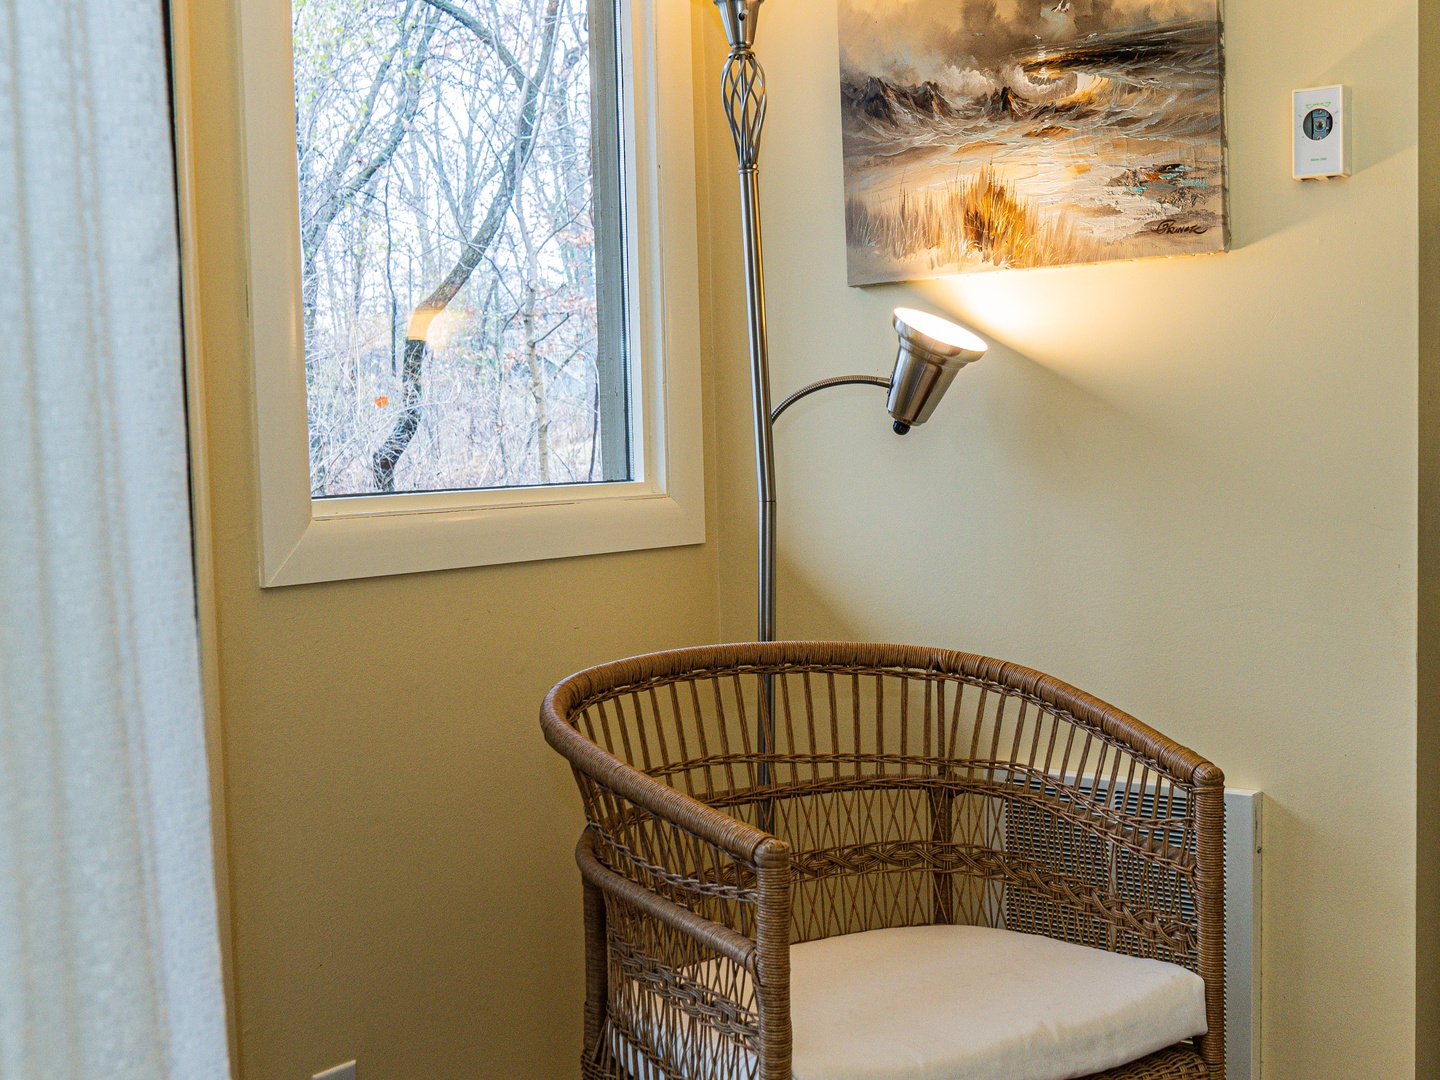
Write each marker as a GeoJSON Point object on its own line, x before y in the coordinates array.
{"type": "Point", "coordinates": [919, 786]}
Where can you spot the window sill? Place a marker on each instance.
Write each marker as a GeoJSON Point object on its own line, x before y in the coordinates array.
{"type": "Point", "coordinates": [379, 543]}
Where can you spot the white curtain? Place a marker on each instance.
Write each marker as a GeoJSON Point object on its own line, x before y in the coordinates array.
{"type": "Point", "coordinates": [109, 956]}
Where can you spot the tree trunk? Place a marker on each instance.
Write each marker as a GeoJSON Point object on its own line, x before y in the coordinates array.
{"type": "Point", "coordinates": [413, 368]}
{"type": "Point", "coordinates": [532, 347]}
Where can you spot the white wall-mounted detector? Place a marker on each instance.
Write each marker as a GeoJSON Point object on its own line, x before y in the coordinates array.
{"type": "Point", "coordinates": [1322, 132]}
{"type": "Point", "coordinates": [339, 1072]}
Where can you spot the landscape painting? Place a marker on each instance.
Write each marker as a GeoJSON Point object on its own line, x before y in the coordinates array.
{"type": "Point", "coordinates": [995, 134]}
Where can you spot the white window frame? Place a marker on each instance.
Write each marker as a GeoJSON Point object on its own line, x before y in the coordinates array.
{"type": "Point", "coordinates": [309, 540]}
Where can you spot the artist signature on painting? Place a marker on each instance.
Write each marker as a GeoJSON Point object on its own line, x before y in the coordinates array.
{"type": "Point", "coordinates": [1171, 228]}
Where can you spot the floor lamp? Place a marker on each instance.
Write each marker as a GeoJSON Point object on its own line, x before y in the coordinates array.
{"type": "Point", "coordinates": [932, 350]}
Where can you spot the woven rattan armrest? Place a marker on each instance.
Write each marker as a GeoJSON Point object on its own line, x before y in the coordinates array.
{"type": "Point", "coordinates": [735, 837]}
{"type": "Point", "coordinates": [712, 935]}
{"type": "Point", "coordinates": [1172, 758]}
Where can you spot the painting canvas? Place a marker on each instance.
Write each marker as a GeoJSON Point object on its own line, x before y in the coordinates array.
{"type": "Point", "coordinates": [993, 134]}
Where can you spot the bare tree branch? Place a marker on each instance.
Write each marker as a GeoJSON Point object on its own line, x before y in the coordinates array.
{"type": "Point", "coordinates": [485, 34]}
{"type": "Point", "coordinates": [521, 147]}
{"type": "Point", "coordinates": [337, 195]}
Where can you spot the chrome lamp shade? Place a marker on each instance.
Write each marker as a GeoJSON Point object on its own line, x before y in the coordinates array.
{"type": "Point", "coordinates": [932, 352]}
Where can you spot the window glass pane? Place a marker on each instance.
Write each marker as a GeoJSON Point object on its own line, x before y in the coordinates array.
{"type": "Point", "coordinates": [462, 266]}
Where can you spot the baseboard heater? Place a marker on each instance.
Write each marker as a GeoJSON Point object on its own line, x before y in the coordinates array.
{"type": "Point", "coordinates": [1243, 928]}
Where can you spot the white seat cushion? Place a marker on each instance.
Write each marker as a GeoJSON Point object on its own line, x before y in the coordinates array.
{"type": "Point", "coordinates": [952, 1002]}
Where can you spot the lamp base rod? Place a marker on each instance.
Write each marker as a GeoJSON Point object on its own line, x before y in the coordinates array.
{"type": "Point", "coordinates": [743, 94]}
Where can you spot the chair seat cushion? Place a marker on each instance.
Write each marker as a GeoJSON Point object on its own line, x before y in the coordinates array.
{"type": "Point", "coordinates": [952, 1002]}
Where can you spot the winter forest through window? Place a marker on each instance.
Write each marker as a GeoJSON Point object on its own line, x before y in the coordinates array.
{"type": "Point", "coordinates": [452, 233]}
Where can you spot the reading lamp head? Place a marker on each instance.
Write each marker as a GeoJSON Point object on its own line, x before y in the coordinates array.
{"type": "Point", "coordinates": [932, 352]}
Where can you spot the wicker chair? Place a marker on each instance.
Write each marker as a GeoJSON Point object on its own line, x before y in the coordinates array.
{"type": "Point", "coordinates": [896, 787]}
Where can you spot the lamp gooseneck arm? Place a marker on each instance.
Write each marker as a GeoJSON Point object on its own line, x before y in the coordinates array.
{"type": "Point", "coordinates": [826, 384]}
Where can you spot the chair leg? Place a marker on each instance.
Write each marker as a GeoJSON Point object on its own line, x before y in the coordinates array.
{"type": "Point", "coordinates": [597, 972]}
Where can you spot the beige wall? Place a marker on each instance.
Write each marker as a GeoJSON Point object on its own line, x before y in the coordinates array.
{"type": "Point", "coordinates": [1187, 486]}
{"type": "Point", "coordinates": [400, 874]}
{"type": "Point", "coordinates": [1166, 484]}
{"type": "Point", "coordinates": [1427, 882]}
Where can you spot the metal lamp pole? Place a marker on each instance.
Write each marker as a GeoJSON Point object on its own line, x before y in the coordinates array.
{"type": "Point", "coordinates": [932, 350]}
{"type": "Point", "coordinates": [743, 88]}
{"type": "Point", "coordinates": [743, 91]}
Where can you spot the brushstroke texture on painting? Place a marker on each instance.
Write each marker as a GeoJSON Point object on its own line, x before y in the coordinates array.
{"type": "Point", "coordinates": [988, 134]}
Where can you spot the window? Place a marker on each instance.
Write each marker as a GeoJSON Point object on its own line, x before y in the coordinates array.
{"type": "Point", "coordinates": [470, 344]}
{"type": "Point", "coordinates": [457, 332]}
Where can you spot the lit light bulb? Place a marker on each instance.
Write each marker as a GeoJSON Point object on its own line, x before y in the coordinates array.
{"type": "Point", "coordinates": [932, 352]}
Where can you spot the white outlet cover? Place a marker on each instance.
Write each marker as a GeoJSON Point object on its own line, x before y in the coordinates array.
{"type": "Point", "coordinates": [339, 1072]}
